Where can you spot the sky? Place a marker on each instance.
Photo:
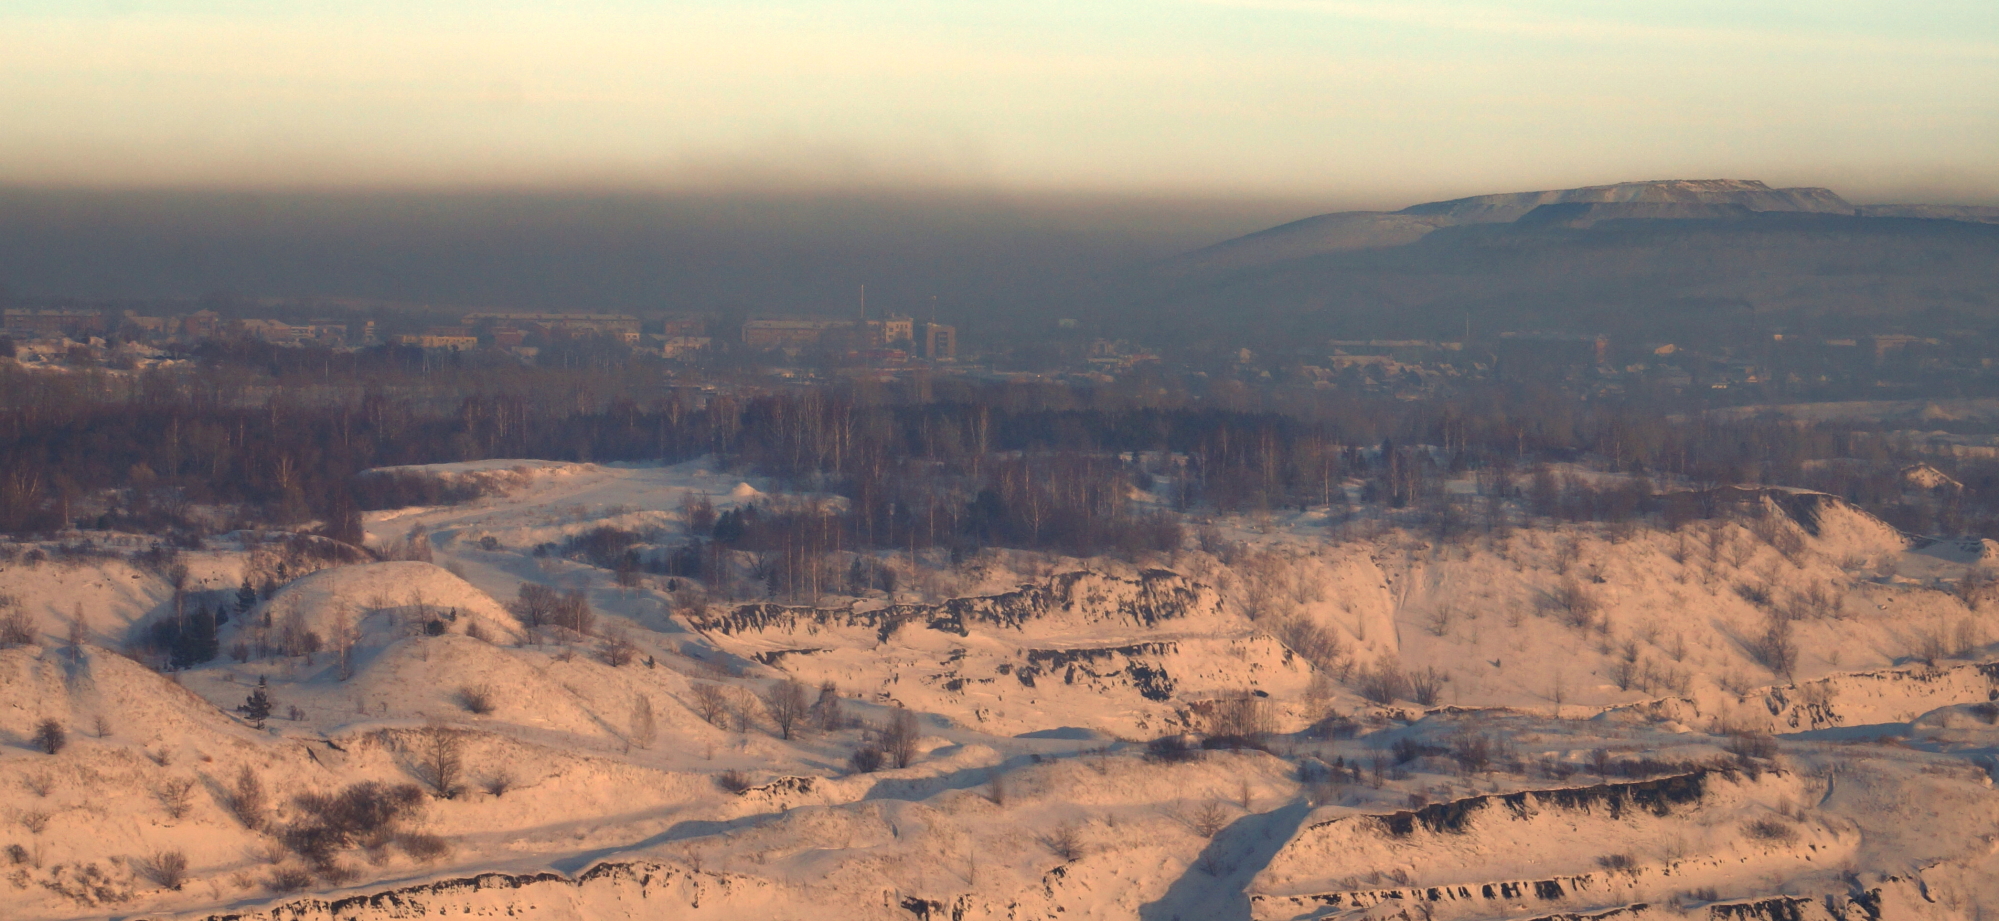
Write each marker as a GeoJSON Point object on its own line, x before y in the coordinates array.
{"type": "Point", "coordinates": [1354, 104]}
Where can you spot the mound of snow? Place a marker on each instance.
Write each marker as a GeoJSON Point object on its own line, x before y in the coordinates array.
{"type": "Point", "coordinates": [378, 597]}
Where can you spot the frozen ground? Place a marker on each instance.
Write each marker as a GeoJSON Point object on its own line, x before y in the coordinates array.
{"type": "Point", "coordinates": [1568, 721]}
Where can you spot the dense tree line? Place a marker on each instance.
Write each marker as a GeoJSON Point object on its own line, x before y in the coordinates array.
{"type": "Point", "coordinates": [281, 434]}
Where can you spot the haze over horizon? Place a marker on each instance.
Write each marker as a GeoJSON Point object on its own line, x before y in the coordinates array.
{"type": "Point", "coordinates": [1344, 104]}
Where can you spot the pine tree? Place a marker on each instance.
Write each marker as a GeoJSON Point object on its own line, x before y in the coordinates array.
{"type": "Point", "coordinates": [257, 708]}
{"type": "Point", "coordinates": [246, 597]}
{"type": "Point", "coordinates": [196, 643]}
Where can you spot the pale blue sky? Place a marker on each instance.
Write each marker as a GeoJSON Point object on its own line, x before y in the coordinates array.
{"type": "Point", "coordinates": [1371, 102]}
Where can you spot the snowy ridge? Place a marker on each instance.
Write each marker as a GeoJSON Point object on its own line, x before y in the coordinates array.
{"type": "Point", "coordinates": [1606, 845]}
{"type": "Point", "coordinates": [1886, 697]}
{"type": "Point", "coordinates": [1148, 642]}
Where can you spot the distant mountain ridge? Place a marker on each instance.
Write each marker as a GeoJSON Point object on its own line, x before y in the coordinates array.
{"type": "Point", "coordinates": [1668, 199]}
{"type": "Point", "coordinates": [1746, 193]}
{"type": "Point", "coordinates": [1659, 259]}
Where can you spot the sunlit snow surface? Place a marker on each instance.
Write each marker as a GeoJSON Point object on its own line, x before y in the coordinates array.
{"type": "Point", "coordinates": [1038, 682]}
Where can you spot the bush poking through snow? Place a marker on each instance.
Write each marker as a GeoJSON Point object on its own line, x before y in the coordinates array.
{"type": "Point", "coordinates": [1382, 683]}
{"type": "Point", "coordinates": [1171, 750]}
{"type": "Point", "coordinates": [424, 848]}
{"type": "Point", "coordinates": [290, 879]}
{"type": "Point", "coordinates": [1770, 829]}
{"type": "Point", "coordinates": [16, 629]}
{"type": "Point", "coordinates": [497, 783]}
{"type": "Point", "coordinates": [476, 698]}
{"type": "Point", "coordinates": [898, 739]}
{"type": "Point", "coordinates": [865, 760]}
{"type": "Point", "coordinates": [367, 814]}
{"type": "Point", "coordinates": [245, 799]}
{"type": "Point", "coordinates": [167, 869]}
{"type": "Point", "coordinates": [50, 737]}
{"type": "Point", "coordinates": [1618, 863]}
{"type": "Point", "coordinates": [1752, 747]}
{"type": "Point", "coordinates": [1066, 841]}
{"type": "Point", "coordinates": [1427, 686]}
{"type": "Point", "coordinates": [733, 781]}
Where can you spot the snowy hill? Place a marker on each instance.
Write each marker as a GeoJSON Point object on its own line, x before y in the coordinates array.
{"type": "Point", "coordinates": [1783, 714]}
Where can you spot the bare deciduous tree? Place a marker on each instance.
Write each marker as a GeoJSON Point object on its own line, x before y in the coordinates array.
{"type": "Point", "coordinates": [619, 650]}
{"type": "Point", "coordinates": [177, 796]}
{"type": "Point", "coordinates": [1066, 841]}
{"type": "Point", "coordinates": [50, 737]}
{"type": "Point", "coordinates": [899, 737]}
{"type": "Point", "coordinates": [788, 704]}
{"type": "Point", "coordinates": [535, 604]}
{"type": "Point", "coordinates": [645, 729]}
{"type": "Point", "coordinates": [709, 702]}
{"type": "Point", "coordinates": [1209, 820]}
{"type": "Point", "coordinates": [440, 759]}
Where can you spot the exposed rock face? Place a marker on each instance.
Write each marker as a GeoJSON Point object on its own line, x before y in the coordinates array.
{"type": "Point", "coordinates": [1076, 598]}
{"type": "Point", "coordinates": [1153, 642]}
{"type": "Point", "coordinates": [1460, 859]}
{"type": "Point", "coordinates": [606, 891]}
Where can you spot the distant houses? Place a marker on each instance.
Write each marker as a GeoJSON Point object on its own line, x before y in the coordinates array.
{"type": "Point", "coordinates": [933, 341]}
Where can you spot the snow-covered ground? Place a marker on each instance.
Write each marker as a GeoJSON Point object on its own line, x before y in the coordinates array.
{"type": "Point", "coordinates": [1566, 721]}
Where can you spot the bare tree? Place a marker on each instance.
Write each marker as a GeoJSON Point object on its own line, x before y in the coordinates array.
{"type": "Point", "coordinates": [535, 604]}
{"type": "Point", "coordinates": [440, 759]}
{"type": "Point", "coordinates": [1242, 718]}
{"type": "Point", "coordinates": [1210, 819]}
{"type": "Point", "coordinates": [343, 640]}
{"type": "Point", "coordinates": [572, 611]}
{"type": "Point", "coordinates": [787, 704]}
{"type": "Point", "coordinates": [645, 730]}
{"type": "Point", "coordinates": [1066, 841]}
{"type": "Point", "coordinates": [899, 737]}
{"type": "Point", "coordinates": [709, 702]}
{"type": "Point", "coordinates": [619, 650]}
{"type": "Point", "coordinates": [50, 737]}
{"type": "Point", "coordinates": [1575, 604]}
{"type": "Point", "coordinates": [177, 795]}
